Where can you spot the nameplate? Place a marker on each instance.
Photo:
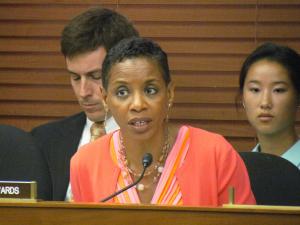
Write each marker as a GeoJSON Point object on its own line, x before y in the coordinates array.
{"type": "Point", "coordinates": [18, 190]}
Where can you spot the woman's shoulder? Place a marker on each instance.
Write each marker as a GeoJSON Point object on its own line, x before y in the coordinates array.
{"type": "Point", "coordinates": [209, 140]}
{"type": "Point", "coordinates": [205, 134]}
{"type": "Point", "coordinates": [97, 147]}
{"type": "Point", "coordinates": [175, 129]}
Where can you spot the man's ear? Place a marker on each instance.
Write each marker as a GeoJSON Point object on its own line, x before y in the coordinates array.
{"type": "Point", "coordinates": [104, 96]}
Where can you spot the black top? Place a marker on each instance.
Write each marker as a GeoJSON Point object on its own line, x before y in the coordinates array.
{"type": "Point", "coordinates": [20, 160]}
{"type": "Point", "coordinates": [274, 180]}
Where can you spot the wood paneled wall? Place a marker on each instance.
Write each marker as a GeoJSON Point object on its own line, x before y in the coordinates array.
{"type": "Point", "coordinates": [207, 42]}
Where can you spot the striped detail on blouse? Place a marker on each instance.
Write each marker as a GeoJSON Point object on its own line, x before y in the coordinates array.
{"type": "Point", "coordinates": [167, 191]}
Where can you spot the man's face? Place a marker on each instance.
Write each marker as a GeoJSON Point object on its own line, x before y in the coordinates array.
{"type": "Point", "coordinates": [85, 74]}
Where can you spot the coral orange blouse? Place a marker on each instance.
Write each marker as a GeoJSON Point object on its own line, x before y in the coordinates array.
{"type": "Point", "coordinates": [210, 167]}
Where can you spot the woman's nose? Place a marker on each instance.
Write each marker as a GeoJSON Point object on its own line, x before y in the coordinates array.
{"type": "Point", "coordinates": [138, 102]}
{"type": "Point", "coordinates": [266, 100]}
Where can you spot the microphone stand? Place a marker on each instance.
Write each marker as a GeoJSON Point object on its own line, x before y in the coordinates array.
{"type": "Point", "coordinates": [147, 160]}
{"type": "Point", "coordinates": [125, 188]}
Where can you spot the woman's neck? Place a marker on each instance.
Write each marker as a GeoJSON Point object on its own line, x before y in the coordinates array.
{"type": "Point", "coordinates": [277, 144]}
{"type": "Point", "coordinates": [135, 149]}
{"type": "Point", "coordinates": [159, 146]}
{"type": "Point", "coordinates": [156, 145]}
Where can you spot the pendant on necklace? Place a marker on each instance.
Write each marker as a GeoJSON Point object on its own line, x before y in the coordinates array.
{"type": "Point", "coordinates": [140, 187]}
{"type": "Point", "coordinates": [160, 169]}
{"type": "Point", "coordinates": [124, 173]}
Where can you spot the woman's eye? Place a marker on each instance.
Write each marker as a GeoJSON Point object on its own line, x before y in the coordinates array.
{"type": "Point", "coordinates": [254, 89]}
{"type": "Point", "coordinates": [151, 91]}
{"type": "Point", "coordinates": [279, 90]}
{"type": "Point", "coordinates": [122, 92]}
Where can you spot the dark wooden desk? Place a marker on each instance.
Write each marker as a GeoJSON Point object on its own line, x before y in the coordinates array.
{"type": "Point", "coordinates": [60, 213]}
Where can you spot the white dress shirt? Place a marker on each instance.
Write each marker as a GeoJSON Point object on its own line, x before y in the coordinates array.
{"type": "Point", "coordinates": [292, 154]}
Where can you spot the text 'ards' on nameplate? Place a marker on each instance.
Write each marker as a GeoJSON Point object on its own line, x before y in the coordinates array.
{"type": "Point", "coordinates": [18, 190]}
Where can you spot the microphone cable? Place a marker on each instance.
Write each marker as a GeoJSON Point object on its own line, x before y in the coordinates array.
{"type": "Point", "coordinates": [147, 160]}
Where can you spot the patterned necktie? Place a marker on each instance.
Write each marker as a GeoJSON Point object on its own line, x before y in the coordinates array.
{"type": "Point", "coordinates": [97, 130]}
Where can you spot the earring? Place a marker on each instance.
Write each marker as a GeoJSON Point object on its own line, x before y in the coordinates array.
{"type": "Point", "coordinates": [243, 105]}
{"type": "Point", "coordinates": [169, 107]}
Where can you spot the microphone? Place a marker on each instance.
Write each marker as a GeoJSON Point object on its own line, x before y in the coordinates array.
{"type": "Point", "coordinates": [147, 160]}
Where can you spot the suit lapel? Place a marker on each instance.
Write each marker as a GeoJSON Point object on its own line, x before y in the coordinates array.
{"type": "Point", "coordinates": [71, 132]}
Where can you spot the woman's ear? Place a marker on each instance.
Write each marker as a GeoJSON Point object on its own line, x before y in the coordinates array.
{"type": "Point", "coordinates": [171, 93]}
{"type": "Point", "coordinates": [242, 101]}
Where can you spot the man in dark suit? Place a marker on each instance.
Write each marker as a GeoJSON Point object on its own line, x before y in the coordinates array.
{"type": "Point", "coordinates": [84, 43]}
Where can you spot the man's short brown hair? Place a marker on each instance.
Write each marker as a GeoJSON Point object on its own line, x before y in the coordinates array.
{"type": "Point", "coordinates": [94, 28]}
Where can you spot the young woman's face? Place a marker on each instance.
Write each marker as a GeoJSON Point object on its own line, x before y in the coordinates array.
{"type": "Point", "coordinates": [269, 97]}
{"type": "Point", "coordinates": [138, 97]}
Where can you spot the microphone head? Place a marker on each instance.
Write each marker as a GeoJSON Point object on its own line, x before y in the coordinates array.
{"type": "Point", "coordinates": [147, 160]}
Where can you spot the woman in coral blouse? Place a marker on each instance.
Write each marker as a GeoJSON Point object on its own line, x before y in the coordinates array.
{"type": "Point", "coordinates": [190, 166]}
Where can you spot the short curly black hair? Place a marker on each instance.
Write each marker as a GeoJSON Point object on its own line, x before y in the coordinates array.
{"type": "Point", "coordinates": [134, 48]}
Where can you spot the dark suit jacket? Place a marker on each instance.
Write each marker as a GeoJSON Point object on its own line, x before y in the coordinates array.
{"type": "Point", "coordinates": [59, 141]}
{"type": "Point", "coordinates": [20, 160]}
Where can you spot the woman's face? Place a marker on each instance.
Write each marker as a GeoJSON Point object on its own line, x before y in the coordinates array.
{"type": "Point", "coordinates": [138, 97]}
{"type": "Point", "coordinates": [270, 98]}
